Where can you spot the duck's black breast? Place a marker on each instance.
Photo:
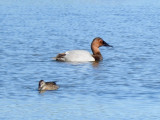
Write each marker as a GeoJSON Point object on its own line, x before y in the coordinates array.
{"type": "Point", "coordinates": [98, 57]}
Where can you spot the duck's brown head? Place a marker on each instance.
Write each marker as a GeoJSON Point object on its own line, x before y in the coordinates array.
{"type": "Point", "coordinates": [98, 42]}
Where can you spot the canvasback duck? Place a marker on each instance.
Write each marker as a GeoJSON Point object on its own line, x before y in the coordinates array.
{"type": "Point", "coordinates": [83, 55]}
{"type": "Point", "coordinates": [47, 86]}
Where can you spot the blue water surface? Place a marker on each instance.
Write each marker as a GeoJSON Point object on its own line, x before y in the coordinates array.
{"type": "Point", "coordinates": [124, 86]}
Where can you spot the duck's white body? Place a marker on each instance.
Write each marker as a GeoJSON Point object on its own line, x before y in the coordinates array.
{"type": "Point", "coordinates": [77, 55]}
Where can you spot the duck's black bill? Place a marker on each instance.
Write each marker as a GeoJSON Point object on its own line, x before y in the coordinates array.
{"type": "Point", "coordinates": [106, 44]}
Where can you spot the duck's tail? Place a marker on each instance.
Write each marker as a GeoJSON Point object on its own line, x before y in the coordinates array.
{"type": "Point", "coordinates": [59, 57]}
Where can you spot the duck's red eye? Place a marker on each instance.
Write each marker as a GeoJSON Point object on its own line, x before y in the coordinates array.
{"type": "Point", "coordinates": [100, 41]}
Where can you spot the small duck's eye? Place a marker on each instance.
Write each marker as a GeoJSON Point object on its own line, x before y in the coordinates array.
{"type": "Point", "coordinates": [42, 83]}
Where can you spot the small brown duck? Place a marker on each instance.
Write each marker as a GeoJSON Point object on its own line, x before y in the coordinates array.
{"type": "Point", "coordinates": [47, 86]}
